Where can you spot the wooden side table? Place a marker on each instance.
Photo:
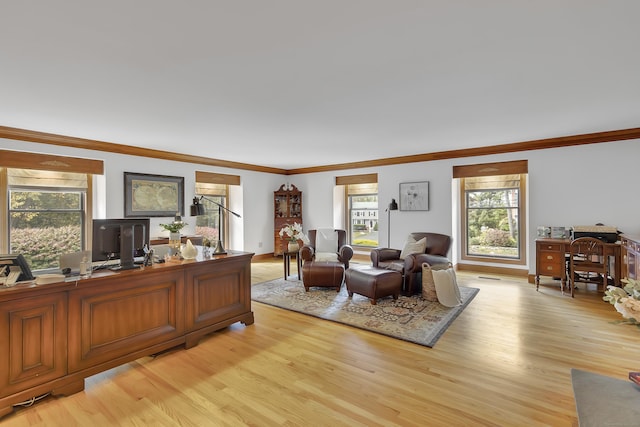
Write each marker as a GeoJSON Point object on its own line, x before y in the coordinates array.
{"type": "Point", "coordinates": [286, 256]}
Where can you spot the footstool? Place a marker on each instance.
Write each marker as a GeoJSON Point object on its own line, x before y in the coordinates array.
{"type": "Point", "coordinates": [328, 274]}
{"type": "Point", "coordinates": [374, 283]}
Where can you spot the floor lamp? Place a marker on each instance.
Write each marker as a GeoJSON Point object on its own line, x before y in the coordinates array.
{"type": "Point", "coordinates": [393, 206]}
{"type": "Point", "coordinates": [198, 209]}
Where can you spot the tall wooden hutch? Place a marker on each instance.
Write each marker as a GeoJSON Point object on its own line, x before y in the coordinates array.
{"type": "Point", "coordinates": [287, 204]}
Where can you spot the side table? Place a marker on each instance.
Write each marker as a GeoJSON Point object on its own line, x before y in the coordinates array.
{"type": "Point", "coordinates": [286, 256]}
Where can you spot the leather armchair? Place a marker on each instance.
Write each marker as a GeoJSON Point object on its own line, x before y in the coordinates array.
{"type": "Point", "coordinates": [325, 269]}
{"type": "Point", "coordinates": [344, 251]}
{"type": "Point", "coordinates": [411, 267]}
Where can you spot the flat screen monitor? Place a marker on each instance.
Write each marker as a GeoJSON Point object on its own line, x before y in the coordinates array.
{"type": "Point", "coordinates": [16, 260]}
{"type": "Point", "coordinates": [120, 238]}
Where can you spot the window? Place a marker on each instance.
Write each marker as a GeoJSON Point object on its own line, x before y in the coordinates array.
{"type": "Point", "coordinates": [359, 213]}
{"type": "Point", "coordinates": [47, 215]}
{"type": "Point", "coordinates": [215, 188]}
{"type": "Point", "coordinates": [493, 207]}
{"type": "Point", "coordinates": [363, 214]}
{"type": "Point", "coordinates": [45, 205]}
{"type": "Point", "coordinates": [207, 224]}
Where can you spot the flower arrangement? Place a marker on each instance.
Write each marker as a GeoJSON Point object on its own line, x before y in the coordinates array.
{"type": "Point", "coordinates": [293, 233]}
{"type": "Point", "coordinates": [175, 226]}
{"type": "Point", "coordinates": [626, 300]}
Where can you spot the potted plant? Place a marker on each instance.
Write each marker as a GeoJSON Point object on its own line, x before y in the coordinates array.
{"type": "Point", "coordinates": [293, 233]}
{"type": "Point", "coordinates": [174, 230]}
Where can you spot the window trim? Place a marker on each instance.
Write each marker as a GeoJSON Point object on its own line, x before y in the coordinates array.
{"type": "Point", "coordinates": [491, 169]}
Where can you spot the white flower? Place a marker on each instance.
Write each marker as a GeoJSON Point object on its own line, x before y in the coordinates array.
{"type": "Point", "coordinates": [626, 300]}
{"type": "Point", "coordinates": [293, 233]}
{"type": "Point", "coordinates": [629, 308]}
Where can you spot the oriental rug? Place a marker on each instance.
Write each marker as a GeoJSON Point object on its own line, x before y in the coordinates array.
{"type": "Point", "coordinates": [410, 319]}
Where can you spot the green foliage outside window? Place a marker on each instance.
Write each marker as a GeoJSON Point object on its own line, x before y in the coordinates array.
{"type": "Point", "coordinates": [45, 224]}
{"type": "Point", "coordinates": [492, 222]}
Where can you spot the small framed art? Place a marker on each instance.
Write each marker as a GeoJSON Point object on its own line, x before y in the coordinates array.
{"type": "Point", "coordinates": [414, 196]}
{"type": "Point", "coordinates": [153, 195]}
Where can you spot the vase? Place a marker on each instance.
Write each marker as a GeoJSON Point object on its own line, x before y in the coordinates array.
{"type": "Point", "coordinates": [174, 242]}
{"type": "Point", "coordinates": [293, 247]}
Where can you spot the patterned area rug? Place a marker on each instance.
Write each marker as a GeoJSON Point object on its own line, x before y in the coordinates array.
{"type": "Point", "coordinates": [407, 318]}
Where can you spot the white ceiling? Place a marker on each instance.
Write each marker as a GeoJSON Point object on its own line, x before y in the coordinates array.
{"type": "Point", "coordinates": [295, 83]}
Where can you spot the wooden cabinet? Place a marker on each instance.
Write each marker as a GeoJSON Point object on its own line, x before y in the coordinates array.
{"type": "Point", "coordinates": [287, 204]}
{"type": "Point", "coordinates": [122, 314]}
{"type": "Point", "coordinates": [33, 338]}
{"type": "Point", "coordinates": [550, 260]}
{"type": "Point", "coordinates": [630, 256]}
{"type": "Point", "coordinates": [217, 298]}
{"type": "Point", "coordinates": [54, 336]}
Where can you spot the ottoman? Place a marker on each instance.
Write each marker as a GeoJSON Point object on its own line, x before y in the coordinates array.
{"type": "Point", "coordinates": [327, 274]}
{"type": "Point", "coordinates": [374, 283]}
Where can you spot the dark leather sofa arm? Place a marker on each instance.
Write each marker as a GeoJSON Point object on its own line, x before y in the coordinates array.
{"type": "Point", "coordinates": [307, 252]}
{"type": "Point", "coordinates": [432, 260]}
{"type": "Point", "coordinates": [383, 254]}
{"type": "Point", "coordinates": [345, 254]}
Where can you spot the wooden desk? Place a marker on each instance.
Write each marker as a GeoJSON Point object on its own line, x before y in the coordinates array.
{"type": "Point", "coordinates": [54, 336]}
{"type": "Point", "coordinates": [195, 240]}
{"type": "Point", "coordinates": [286, 256]}
{"type": "Point", "coordinates": [551, 259]}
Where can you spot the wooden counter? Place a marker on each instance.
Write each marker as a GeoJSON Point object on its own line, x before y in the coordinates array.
{"type": "Point", "coordinates": [54, 336]}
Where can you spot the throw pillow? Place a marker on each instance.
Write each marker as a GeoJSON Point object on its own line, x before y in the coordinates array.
{"type": "Point", "coordinates": [447, 287]}
{"type": "Point", "coordinates": [428, 285]}
{"type": "Point", "coordinates": [326, 240]}
{"type": "Point", "coordinates": [413, 247]}
{"type": "Point", "coordinates": [325, 256]}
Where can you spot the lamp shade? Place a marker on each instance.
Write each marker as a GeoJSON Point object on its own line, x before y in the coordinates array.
{"type": "Point", "coordinates": [393, 206]}
{"type": "Point", "coordinates": [197, 208]}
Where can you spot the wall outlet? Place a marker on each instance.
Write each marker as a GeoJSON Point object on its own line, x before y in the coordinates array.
{"type": "Point", "coordinates": [259, 244]}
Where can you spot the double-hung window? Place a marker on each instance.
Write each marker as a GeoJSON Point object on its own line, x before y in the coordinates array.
{"type": "Point", "coordinates": [493, 211]}
{"type": "Point", "coordinates": [45, 205]}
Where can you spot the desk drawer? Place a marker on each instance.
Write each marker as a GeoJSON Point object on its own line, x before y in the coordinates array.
{"type": "Point", "coordinates": [551, 247]}
{"type": "Point", "coordinates": [551, 263]}
{"type": "Point", "coordinates": [555, 270]}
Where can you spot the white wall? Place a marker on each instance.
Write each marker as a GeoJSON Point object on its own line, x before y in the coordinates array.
{"type": "Point", "coordinates": [567, 186]}
{"type": "Point", "coordinates": [253, 200]}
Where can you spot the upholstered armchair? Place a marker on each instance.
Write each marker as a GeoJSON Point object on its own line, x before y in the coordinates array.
{"type": "Point", "coordinates": [435, 253]}
{"type": "Point", "coordinates": [325, 258]}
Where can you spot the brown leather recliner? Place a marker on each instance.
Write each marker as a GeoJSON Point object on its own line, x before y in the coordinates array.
{"type": "Point", "coordinates": [411, 267]}
{"type": "Point", "coordinates": [326, 273]}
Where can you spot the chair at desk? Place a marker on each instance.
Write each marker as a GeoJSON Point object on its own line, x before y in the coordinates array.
{"type": "Point", "coordinates": [587, 262]}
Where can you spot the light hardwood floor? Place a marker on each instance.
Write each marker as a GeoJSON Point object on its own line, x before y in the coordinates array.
{"type": "Point", "coordinates": [505, 361]}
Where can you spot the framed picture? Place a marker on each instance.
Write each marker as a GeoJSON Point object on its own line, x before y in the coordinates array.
{"type": "Point", "coordinates": [153, 195]}
{"type": "Point", "coordinates": [414, 196]}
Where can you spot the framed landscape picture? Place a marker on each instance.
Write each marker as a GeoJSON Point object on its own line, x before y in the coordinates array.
{"type": "Point", "coordinates": [414, 196]}
{"type": "Point", "coordinates": [153, 195]}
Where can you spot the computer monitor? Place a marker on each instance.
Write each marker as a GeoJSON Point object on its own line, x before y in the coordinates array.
{"type": "Point", "coordinates": [16, 260]}
{"type": "Point", "coordinates": [120, 238]}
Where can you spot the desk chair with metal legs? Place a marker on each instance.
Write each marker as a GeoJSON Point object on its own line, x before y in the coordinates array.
{"type": "Point", "coordinates": [587, 262]}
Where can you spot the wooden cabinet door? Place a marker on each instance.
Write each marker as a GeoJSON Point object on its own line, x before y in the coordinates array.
{"type": "Point", "coordinates": [122, 314]}
{"type": "Point", "coordinates": [216, 293]}
{"type": "Point", "coordinates": [34, 333]}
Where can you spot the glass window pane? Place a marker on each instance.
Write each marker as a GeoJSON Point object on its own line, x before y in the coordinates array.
{"type": "Point", "coordinates": [207, 224]}
{"type": "Point", "coordinates": [493, 229]}
{"type": "Point", "coordinates": [43, 224]}
{"type": "Point", "coordinates": [44, 200]}
{"type": "Point", "coordinates": [363, 213]}
{"type": "Point", "coordinates": [43, 236]}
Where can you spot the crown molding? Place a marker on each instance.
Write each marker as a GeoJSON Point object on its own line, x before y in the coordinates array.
{"type": "Point", "coordinates": [538, 144]}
